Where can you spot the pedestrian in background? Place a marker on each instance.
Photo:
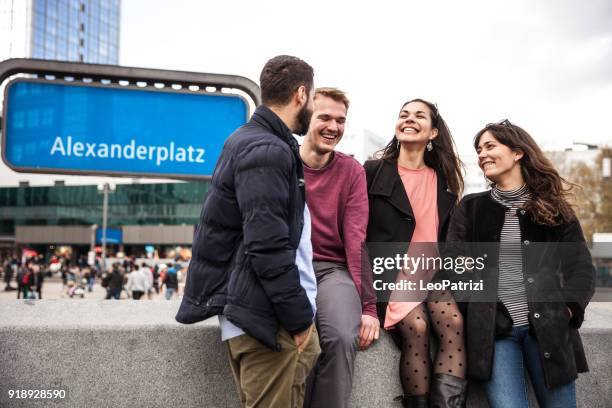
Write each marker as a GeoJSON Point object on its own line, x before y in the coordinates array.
{"type": "Point", "coordinates": [8, 275]}
{"type": "Point", "coordinates": [146, 270]}
{"type": "Point", "coordinates": [25, 277]}
{"type": "Point", "coordinates": [156, 279]}
{"type": "Point", "coordinates": [115, 282]}
{"type": "Point", "coordinates": [21, 273]}
{"type": "Point", "coordinates": [91, 278]}
{"type": "Point", "coordinates": [64, 268]}
{"type": "Point", "coordinates": [137, 283]}
{"type": "Point", "coordinates": [171, 281]}
{"type": "Point", "coordinates": [39, 277]}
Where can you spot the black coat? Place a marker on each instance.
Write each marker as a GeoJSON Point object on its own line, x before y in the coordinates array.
{"type": "Point", "coordinates": [391, 218]}
{"type": "Point", "coordinates": [244, 248]}
{"type": "Point", "coordinates": [116, 279]}
{"type": "Point", "coordinates": [556, 276]}
{"type": "Point", "coordinates": [170, 280]}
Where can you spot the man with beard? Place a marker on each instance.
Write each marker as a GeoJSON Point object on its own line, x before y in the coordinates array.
{"type": "Point", "coordinates": [336, 195]}
{"type": "Point", "coordinates": [252, 256]}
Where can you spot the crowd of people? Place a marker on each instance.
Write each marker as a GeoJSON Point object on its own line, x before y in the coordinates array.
{"type": "Point", "coordinates": [138, 280]}
{"type": "Point", "coordinates": [134, 279]}
{"type": "Point", "coordinates": [28, 276]}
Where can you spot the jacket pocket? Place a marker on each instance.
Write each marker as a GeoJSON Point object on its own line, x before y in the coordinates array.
{"type": "Point", "coordinates": [237, 282]}
{"type": "Point", "coordinates": [503, 322]}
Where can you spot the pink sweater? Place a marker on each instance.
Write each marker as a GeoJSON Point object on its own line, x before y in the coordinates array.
{"type": "Point", "coordinates": [422, 190]}
{"type": "Point", "coordinates": [338, 202]}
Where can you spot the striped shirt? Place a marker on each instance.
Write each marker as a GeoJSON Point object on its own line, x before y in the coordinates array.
{"type": "Point", "coordinates": [511, 286]}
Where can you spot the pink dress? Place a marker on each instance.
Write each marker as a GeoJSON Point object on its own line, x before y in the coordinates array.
{"type": "Point", "coordinates": [422, 190]}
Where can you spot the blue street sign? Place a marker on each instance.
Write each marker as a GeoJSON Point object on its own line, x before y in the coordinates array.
{"type": "Point", "coordinates": [113, 236]}
{"type": "Point", "coordinates": [69, 128]}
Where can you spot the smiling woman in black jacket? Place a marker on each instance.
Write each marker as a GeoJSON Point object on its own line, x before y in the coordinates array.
{"type": "Point", "coordinates": [538, 276]}
{"type": "Point", "coordinates": [412, 190]}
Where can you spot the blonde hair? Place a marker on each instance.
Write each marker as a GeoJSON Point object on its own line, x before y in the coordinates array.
{"type": "Point", "coordinates": [333, 93]}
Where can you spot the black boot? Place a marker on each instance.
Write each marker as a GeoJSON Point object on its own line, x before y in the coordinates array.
{"type": "Point", "coordinates": [414, 401]}
{"type": "Point", "coordinates": [448, 391]}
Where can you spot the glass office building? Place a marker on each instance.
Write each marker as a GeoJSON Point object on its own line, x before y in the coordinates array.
{"type": "Point", "coordinates": [66, 30]}
{"type": "Point", "coordinates": [77, 31]}
{"type": "Point", "coordinates": [43, 217]}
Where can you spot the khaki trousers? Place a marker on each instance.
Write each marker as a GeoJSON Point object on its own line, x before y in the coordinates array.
{"type": "Point", "coordinates": [272, 379]}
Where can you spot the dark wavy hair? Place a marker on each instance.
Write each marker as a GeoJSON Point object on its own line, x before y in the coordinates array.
{"type": "Point", "coordinates": [549, 204]}
{"type": "Point", "coordinates": [443, 158]}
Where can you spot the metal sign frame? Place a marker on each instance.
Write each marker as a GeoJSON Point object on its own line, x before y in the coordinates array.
{"type": "Point", "coordinates": [111, 76]}
{"type": "Point", "coordinates": [110, 173]}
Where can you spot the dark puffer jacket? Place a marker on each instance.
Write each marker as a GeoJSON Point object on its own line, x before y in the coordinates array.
{"type": "Point", "coordinates": [244, 248]}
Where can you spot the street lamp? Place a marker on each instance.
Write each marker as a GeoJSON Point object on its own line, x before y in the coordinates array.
{"type": "Point", "coordinates": [104, 223]}
{"type": "Point", "coordinates": [105, 191]}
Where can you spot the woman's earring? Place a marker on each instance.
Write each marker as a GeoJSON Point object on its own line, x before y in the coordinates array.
{"type": "Point", "coordinates": [429, 146]}
{"type": "Point", "coordinates": [398, 144]}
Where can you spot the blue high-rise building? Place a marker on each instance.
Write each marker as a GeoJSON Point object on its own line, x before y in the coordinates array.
{"type": "Point", "coordinates": [66, 30]}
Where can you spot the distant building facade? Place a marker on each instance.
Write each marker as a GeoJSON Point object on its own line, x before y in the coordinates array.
{"type": "Point", "coordinates": [362, 144]}
{"type": "Point", "coordinates": [584, 153]}
{"type": "Point", "coordinates": [42, 218]}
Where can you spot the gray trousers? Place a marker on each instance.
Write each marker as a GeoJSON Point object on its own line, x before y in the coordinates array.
{"type": "Point", "coordinates": [338, 323]}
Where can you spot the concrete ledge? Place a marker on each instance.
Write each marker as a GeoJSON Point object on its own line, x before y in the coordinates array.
{"type": "Point", "coordinates": [132, 354]}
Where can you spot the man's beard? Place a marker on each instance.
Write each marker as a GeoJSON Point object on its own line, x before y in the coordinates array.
{"type": "Point", "coordinates": [303, 121]}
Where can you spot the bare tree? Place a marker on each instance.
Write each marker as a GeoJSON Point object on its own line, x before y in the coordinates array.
{"type": "Point", "coordinates": [593, 196]}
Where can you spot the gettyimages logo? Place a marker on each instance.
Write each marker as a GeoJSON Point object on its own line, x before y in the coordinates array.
{"type": "Point", "coordinates": [411, 264]}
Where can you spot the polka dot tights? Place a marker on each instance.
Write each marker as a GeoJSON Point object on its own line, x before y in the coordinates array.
{"type": "Point", "coordinates": [415, 365]}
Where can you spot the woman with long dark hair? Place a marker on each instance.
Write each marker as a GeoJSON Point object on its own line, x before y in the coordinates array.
{"type": "Point", "coordinates": [538, 276]}
{"type": "Point", "coordinates": [412, 190]}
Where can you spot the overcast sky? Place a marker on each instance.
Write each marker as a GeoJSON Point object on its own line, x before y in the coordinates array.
{"type": "Point", "coordinates": [545, 65]}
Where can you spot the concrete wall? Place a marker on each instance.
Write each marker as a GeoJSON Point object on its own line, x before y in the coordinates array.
{"type": "Point", "coordinates": [133, 354]}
